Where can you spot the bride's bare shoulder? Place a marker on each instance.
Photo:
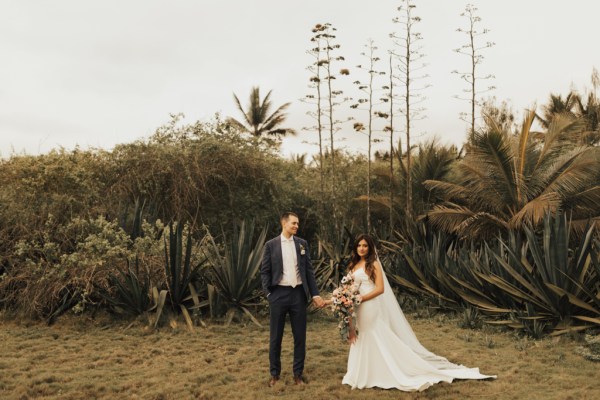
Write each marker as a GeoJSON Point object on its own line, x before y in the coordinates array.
{"type": "Point", "coordinates": [378, 267]}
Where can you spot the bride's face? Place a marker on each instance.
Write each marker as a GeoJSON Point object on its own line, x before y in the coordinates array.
{"type": "Point", "coordinates": [362, 249]}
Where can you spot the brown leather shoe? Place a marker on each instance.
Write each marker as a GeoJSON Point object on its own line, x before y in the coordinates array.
{"type": "Point", "coordinates": [299, 380]}
{"type": "Point", "coordinates": [273, 381]}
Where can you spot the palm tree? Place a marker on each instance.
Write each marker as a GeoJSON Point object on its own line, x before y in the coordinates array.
{"type": "Point", "coordinates": [433, 161]}
{"type": "Point", "coordinates": [573, 105]}
{"type": "Point", "coordinates": [557, 106]}
{"type": "Point", "coordinates": [430, 161]}
{"type": "Point", "coordinates": [506, 180]}
{"type": "Point", "coordinates": [257, 120]}
{"type": "Point", "coordinates": [590, 112]}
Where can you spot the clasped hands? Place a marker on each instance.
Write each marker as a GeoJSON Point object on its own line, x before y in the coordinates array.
{"type": "Point", "coordinates": [319, 302]}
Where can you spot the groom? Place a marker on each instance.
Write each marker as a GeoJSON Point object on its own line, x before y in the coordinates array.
{"type": "Point", "coordinates": [289, 283]}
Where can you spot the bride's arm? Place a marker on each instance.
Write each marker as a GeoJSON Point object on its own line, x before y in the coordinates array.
{"type": "Point", "coordinates": [378, 283]}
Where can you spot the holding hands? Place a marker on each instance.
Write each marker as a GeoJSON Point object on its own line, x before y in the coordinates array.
{"type": "Point", "coordinates": [319, 302]}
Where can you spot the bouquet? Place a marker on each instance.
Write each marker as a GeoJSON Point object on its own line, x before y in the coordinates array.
{"type": "Point", "coordinates": [345, 300]}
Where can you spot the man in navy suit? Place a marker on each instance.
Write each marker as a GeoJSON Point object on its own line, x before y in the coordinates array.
{"type": "Point", "coordinates": [289, 283]}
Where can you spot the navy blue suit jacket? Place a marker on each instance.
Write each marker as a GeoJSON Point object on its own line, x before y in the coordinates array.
{"type": "Point", "coordinates": [271, 269]}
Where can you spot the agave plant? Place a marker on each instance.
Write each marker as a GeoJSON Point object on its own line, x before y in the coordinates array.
{"type": "Point", "coordinates": [132, 291]}
{"type": "Point", "coordinates": [543, 281]}
{"type": "Point", "coordinates": [180, 272]}
{"type": "Point", "coordinates": [332, 259]}
{"type": "Point", "coordinates": [136, 229]}
{"type": "Point", "coordinates": [559, 282]}
{"type": "Point", "coordinates": [234, 272]}
{"type": "Point", "coordinates": [424, 266]}
{"type": "Point", "coordinates": [473, 265]}
{"type": "Point", "coordinates": [470, 318]}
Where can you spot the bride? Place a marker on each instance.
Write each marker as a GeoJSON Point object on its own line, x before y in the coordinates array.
{"type": "Point", "coordinates": [386, 353]}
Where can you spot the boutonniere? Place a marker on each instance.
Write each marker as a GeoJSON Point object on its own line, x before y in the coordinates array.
{"type": "Point", "coordinates": [302, 251]}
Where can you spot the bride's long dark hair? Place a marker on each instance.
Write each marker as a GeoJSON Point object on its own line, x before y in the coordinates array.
{"type": "Point", "coordinates": [369, 259]}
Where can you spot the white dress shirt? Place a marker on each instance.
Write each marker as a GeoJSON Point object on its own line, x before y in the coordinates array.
{"type": "Point", "coordinates": [291, 273]}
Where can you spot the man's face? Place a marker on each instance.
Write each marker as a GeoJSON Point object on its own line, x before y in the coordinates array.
{"type": "Point", "coordinates": [290, 225]}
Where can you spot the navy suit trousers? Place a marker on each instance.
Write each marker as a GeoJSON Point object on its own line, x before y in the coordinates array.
{"type": "Point", "coordinates": [285, 300]}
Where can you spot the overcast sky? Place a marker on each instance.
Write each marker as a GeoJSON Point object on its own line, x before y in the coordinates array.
{"type": "Point", "coordinates": [98, 73]}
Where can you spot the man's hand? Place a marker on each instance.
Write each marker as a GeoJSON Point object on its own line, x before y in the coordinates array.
{"type": "Point", "coordinates": [318, 301]}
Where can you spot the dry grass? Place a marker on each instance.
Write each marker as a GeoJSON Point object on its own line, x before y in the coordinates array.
{"type": "Point", "coordinates": [79, 359]}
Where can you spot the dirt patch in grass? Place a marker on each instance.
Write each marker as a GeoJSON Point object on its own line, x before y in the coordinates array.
{"type": "Point", "coordinates": [78, 359]}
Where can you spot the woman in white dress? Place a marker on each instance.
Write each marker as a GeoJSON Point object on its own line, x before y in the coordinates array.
{"type": "Point", "coordinates": [386, 353]}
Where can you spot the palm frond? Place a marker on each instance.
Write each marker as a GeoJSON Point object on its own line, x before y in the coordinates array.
{"type": "Point", "coordinates": [464, 221]}
{"type": "Point", "coordinates": [493, 149]}
{"type": "Point", "coordinates": [523, 151]}
{"type": "Point", "coordinates": [534, 211]}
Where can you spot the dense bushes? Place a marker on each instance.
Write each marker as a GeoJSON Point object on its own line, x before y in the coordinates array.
{"type": "Point", "coordinates": [66, 266]}
{"type": "Point", "coordinates": [67, 223]}
{"type": "Point", "coordinates": [64, 216]}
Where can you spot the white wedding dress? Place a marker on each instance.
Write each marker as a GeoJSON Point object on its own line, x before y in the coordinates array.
{"type": "Point", "coordinates": [387, 354]}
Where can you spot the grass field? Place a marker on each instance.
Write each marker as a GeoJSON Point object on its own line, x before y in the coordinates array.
{"type": "Point", "coordinates": [79, 358]}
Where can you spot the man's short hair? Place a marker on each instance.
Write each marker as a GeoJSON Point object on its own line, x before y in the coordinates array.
{"type": "Point", "coordinates": [286, 215]}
